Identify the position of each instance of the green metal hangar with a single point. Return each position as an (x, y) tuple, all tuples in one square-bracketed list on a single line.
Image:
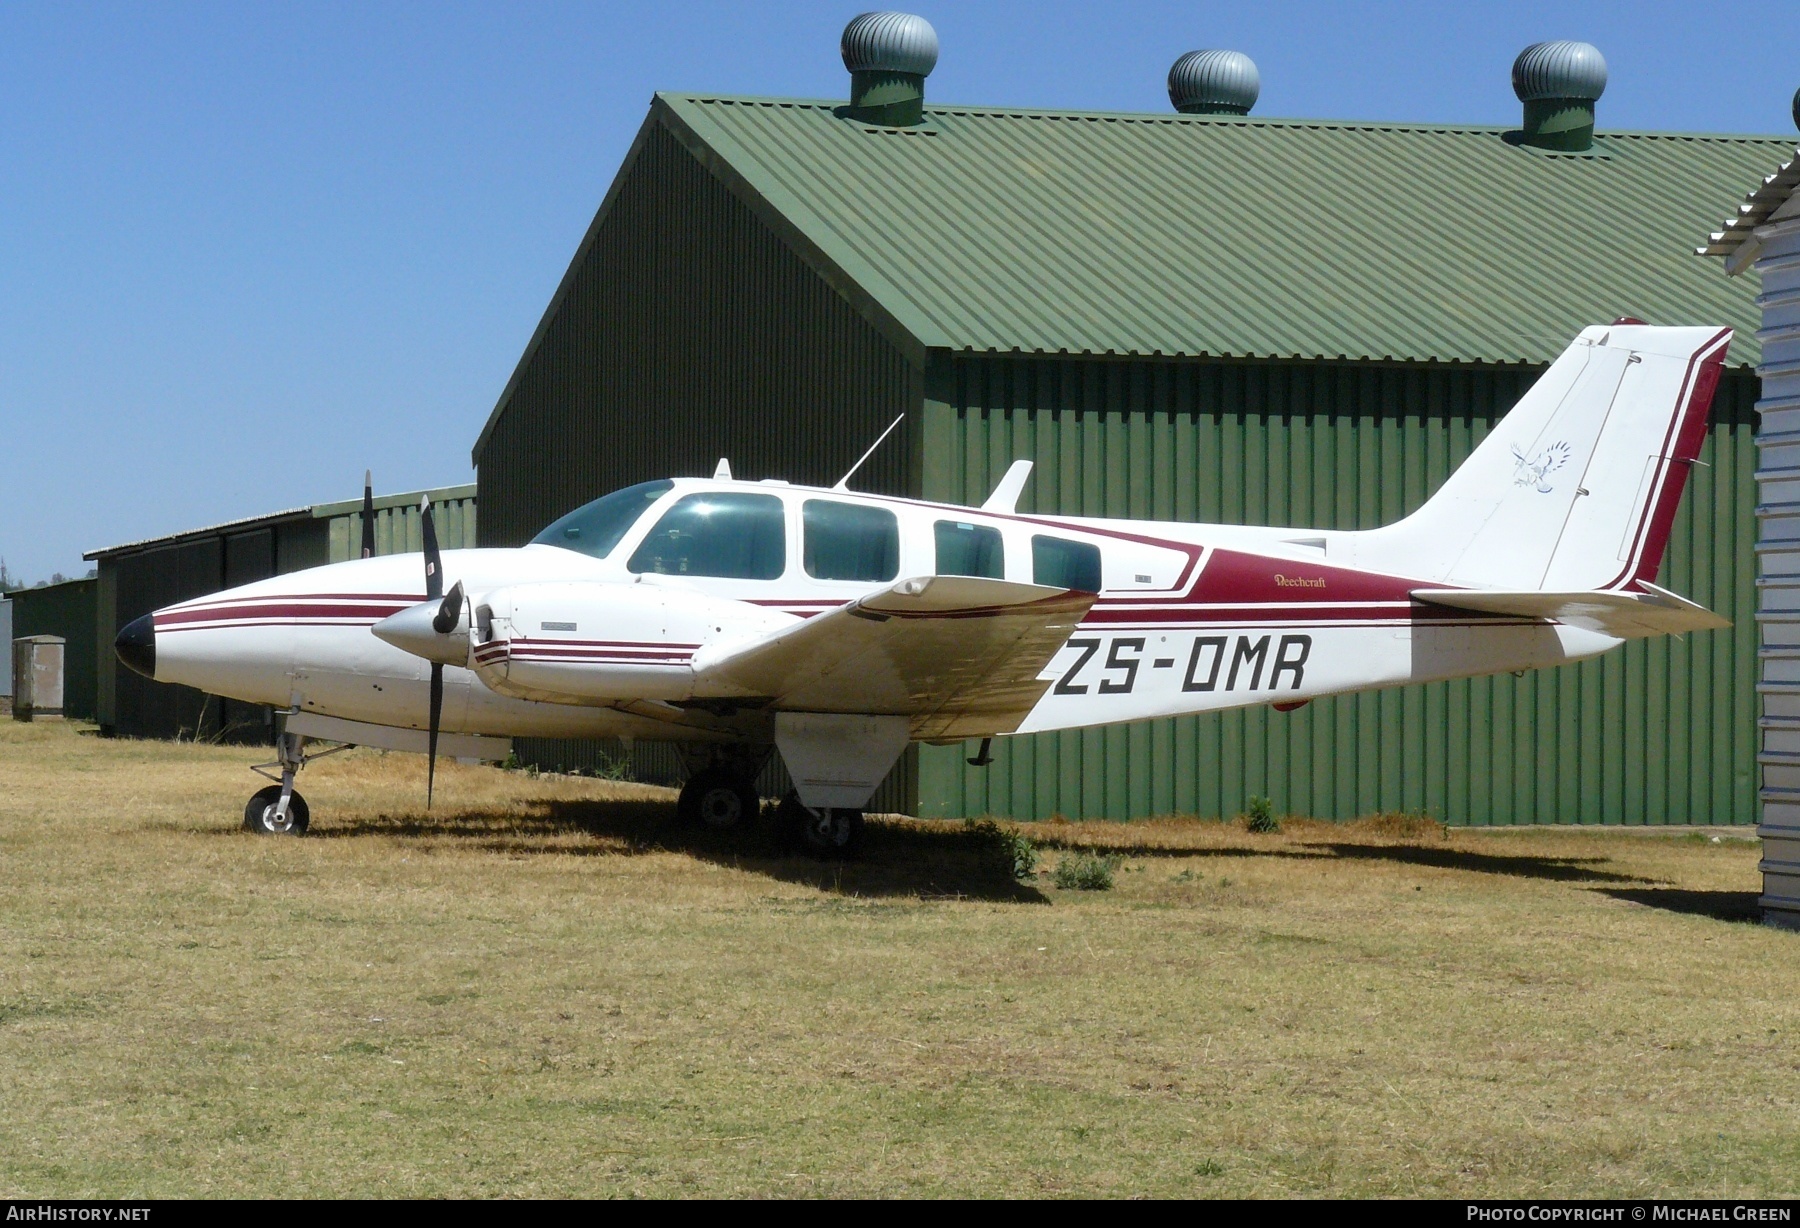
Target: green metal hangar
[(1198, 315)]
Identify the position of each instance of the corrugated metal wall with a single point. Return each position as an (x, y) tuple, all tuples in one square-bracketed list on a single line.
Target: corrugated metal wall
[(6, 638), (688, 332), (148, 579), (1778, 552), (397, 524), (67, 610), (1658, 732)]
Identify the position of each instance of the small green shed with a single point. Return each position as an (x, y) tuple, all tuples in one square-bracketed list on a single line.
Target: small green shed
[(68, 610)]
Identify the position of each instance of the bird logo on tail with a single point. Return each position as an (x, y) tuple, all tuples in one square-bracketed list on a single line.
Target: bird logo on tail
[(1535, 471)]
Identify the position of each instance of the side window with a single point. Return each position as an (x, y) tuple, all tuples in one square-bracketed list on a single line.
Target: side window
[(1065, 564), (969, 550), (728, 536), (848, 541)]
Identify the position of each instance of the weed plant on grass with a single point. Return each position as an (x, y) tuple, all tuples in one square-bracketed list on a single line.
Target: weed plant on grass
[(1086, 872), (1259, 817), (546, 987), (1011, 851)]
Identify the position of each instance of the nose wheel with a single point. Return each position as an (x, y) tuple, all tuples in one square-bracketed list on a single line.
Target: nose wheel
[(826, 832), (265, 815)]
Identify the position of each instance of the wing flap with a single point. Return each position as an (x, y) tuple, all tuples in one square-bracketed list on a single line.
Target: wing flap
[(1623, 615), (959, 655)]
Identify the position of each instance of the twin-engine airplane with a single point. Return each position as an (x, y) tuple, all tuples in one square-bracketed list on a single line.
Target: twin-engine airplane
[(739, 618)]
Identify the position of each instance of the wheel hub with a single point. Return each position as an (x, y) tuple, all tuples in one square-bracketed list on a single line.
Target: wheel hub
[(721, 808)]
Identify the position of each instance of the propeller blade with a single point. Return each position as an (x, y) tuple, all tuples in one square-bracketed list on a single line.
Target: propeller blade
[(434, 561), (368, 545), (450, 612), (431, 736), (452, 609)]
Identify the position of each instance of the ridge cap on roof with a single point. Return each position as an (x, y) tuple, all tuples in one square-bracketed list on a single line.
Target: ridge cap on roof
[(1175, 118)]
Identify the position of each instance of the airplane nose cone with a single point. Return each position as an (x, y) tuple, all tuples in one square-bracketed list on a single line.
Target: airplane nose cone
[(136, 646)]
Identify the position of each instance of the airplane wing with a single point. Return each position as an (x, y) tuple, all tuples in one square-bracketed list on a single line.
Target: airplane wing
[(957, 654), (1625, 616)]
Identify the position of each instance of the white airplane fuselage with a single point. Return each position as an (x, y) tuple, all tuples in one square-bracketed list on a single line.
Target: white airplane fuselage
[(765, 614), (1190, 618)]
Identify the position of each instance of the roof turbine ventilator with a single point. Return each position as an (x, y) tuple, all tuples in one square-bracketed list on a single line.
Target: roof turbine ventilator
[(889, 55), (1559, 83), (1214, 83)]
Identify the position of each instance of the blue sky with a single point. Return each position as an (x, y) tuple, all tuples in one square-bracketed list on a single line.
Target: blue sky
[(248, 250)]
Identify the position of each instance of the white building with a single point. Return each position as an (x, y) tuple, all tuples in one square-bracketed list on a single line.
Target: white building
[(1765, 237)]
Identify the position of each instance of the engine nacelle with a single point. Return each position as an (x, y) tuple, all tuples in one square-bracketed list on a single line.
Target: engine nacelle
[(596, 643)]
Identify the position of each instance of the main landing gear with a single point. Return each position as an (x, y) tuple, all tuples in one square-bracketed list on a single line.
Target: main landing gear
[(278, 809), (721, 795), (719, 798)]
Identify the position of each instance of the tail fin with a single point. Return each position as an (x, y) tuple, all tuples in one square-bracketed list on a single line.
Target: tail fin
[(1575, 489)]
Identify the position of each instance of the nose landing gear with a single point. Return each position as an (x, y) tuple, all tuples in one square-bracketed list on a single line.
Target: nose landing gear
[(278, 809)]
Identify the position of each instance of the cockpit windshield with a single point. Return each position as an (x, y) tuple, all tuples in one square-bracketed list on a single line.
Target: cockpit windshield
[(595, 528)]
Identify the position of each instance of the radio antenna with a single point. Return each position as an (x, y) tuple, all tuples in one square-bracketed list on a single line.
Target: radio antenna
[(844, 482)]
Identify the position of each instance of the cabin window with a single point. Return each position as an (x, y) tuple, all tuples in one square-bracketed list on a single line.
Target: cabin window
[(595, 528), (1065, 564), (850, 541), (969, 550), (726, 536)]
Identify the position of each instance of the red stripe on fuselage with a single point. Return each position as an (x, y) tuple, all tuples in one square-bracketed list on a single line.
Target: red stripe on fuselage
[(401, 599), (337, 607)]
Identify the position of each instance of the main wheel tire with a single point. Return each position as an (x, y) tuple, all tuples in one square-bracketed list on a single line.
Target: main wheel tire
[(259, 813), (834, 832), (718, 799)]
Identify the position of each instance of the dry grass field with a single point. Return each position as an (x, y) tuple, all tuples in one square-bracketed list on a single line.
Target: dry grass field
[(547, 988)]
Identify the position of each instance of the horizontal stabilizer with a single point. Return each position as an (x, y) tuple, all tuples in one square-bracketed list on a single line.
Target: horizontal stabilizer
[(1622, 615), (959, 655)]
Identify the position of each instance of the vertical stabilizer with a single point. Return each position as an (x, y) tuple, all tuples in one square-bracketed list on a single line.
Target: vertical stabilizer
[(1576, 488)]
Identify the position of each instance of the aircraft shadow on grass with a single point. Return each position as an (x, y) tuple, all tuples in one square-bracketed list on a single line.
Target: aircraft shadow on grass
[(895, 860), (911, 860), (1719, 905), (1552, 869)]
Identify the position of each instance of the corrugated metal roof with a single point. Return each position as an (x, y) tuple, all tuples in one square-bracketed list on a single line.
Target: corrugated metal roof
[(315, 511), (1729, 240), (246, 522), (1002, 229)]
